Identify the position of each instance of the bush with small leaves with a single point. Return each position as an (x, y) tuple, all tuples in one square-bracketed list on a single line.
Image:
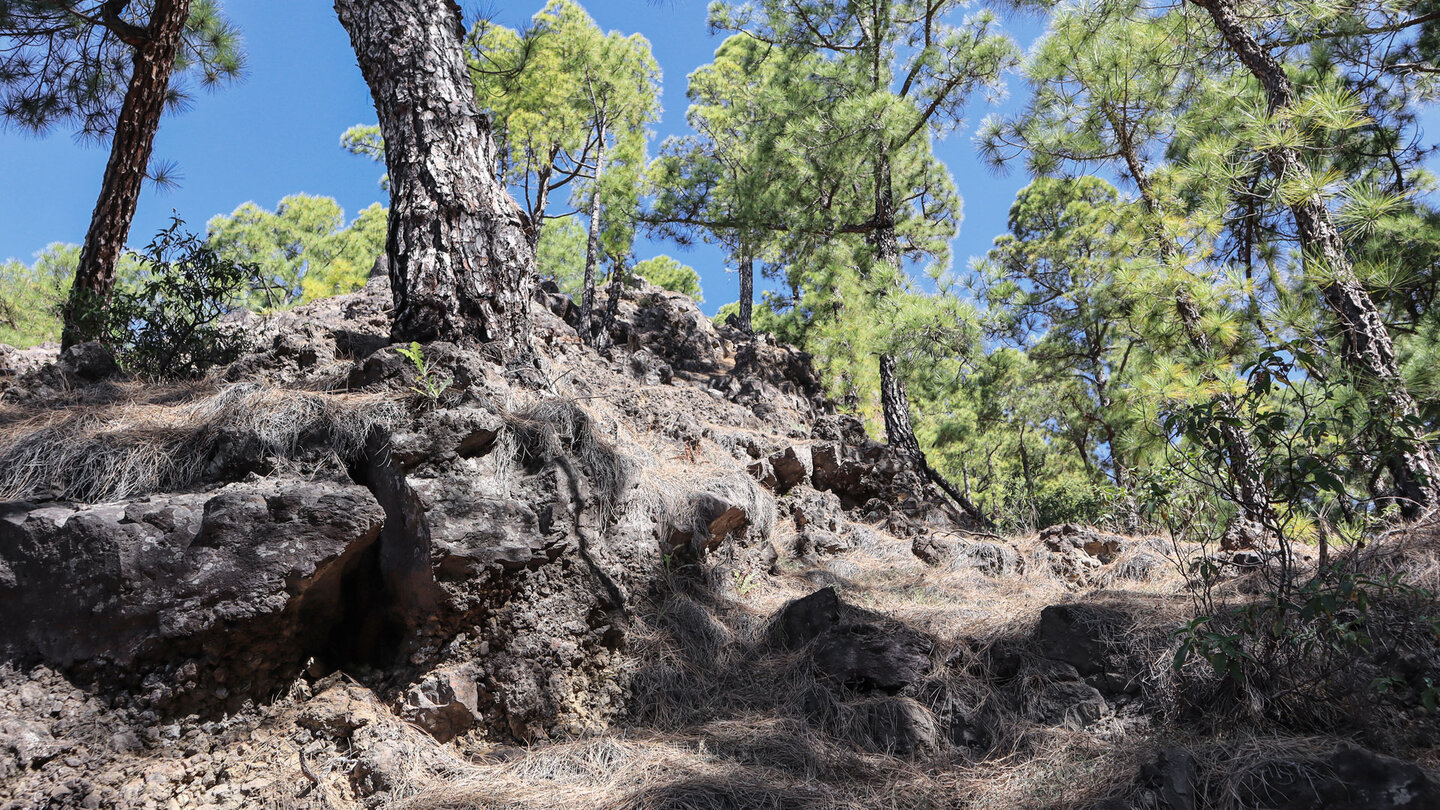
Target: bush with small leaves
[(166, 322)]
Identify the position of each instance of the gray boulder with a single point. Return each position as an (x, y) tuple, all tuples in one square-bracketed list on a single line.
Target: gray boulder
[(446, 703), (898, 726), (206, 598), (1349, 778)]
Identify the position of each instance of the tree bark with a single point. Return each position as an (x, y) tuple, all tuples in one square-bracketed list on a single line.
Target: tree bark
[(612, 306), (592, 246), (887, 244), (1106, 402), (536, 215), (899, 434), (460, 262), (1368, 350), (894, 401), (1025, 468), (130, 148)]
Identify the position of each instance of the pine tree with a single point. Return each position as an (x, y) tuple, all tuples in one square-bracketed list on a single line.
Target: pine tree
[(665, 272), (1104, 91), (570, 103), (107, 66), (1053, 289), (303, 249), (1367, 347), (460, 262), (727, 182), (561, 255), (893, 73)]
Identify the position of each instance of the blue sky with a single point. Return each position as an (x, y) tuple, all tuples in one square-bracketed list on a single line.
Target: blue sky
[(277, 132)]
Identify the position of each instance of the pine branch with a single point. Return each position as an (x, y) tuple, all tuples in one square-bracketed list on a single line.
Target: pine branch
[(1380, 29)]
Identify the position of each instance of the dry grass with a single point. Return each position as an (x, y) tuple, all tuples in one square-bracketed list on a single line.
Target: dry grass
[(106, 452), (622, 774), (723, 720), (726, 721), (954, 601), (1410, 551), (678, 500), (1058, 769), (559, 429)]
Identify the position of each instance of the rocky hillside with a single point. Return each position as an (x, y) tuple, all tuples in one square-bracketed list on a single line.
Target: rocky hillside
[(670, 576)]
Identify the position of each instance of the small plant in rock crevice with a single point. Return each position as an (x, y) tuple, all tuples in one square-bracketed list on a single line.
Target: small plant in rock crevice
[(744, 582), (430, 383)]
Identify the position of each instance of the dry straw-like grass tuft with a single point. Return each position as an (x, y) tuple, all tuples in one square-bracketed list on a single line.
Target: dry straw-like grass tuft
[(680, 503), (558, 428), (672, 772), (108, 452), (1410, 552)]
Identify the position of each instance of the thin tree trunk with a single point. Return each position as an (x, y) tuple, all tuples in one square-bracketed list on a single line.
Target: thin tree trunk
[(1368, 350), (1025, 468), (1118, 470), (895, 404), (460, 262), (1081, 442), (887, 243), (747, 288), (130, 148), (1105, 401), (894, 401), (536, 214), (612, 306), (899, 434), (592, 246)]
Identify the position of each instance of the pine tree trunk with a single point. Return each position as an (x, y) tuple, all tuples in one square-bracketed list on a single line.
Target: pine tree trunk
[(1106, 402), (592, 246), (1026, 470), (894, 401), (460, 262), (1368, 350), (1119, 471), (899, 434), (895, 404), (1241, 459), (612, 306), (887, 243), (747, 289), (130, 148), (536, 214)]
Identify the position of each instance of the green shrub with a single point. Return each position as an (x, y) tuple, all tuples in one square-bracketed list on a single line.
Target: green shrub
[(665, 272), (166, 321)]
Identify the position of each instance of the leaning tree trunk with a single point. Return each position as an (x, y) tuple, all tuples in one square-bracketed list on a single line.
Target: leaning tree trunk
[(1368, 350), (130, 147), (592, 246), (460, 263), (899, 434)]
